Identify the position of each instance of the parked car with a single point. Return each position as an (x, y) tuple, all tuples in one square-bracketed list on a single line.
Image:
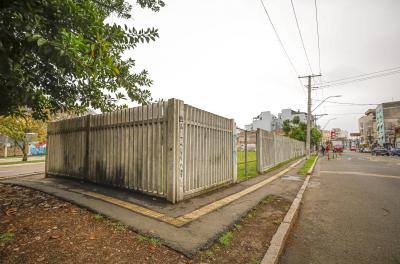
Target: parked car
[(365, 150), (394, 151), (353, 148), (379, 151)]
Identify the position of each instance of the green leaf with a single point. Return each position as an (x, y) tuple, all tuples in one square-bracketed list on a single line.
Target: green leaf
[(41, 42)]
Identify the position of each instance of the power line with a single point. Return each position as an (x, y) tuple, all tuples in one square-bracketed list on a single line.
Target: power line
[(343, 103), (319, 49), (361, 75), (358, 80), (301, 37), (282, 46)]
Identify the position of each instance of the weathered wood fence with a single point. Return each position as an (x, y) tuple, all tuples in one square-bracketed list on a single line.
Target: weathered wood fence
[(167, 149), (272, 149)]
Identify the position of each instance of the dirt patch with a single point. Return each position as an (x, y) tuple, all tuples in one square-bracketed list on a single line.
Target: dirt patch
[(39, 228), (248, 241)]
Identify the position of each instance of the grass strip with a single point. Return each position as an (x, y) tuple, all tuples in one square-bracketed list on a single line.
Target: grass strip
[(307, 165)]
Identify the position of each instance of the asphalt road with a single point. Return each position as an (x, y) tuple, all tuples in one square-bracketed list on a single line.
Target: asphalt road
[(15, 170), (350, 213)]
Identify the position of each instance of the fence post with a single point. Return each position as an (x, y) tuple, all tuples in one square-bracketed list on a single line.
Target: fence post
[(258, 150), (86, 170), (234, 151), (175, 123)]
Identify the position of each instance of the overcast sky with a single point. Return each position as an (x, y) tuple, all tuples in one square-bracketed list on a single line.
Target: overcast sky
[(223, 56)]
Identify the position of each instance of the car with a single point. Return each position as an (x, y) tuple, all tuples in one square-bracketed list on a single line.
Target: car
[(379, 151), (353, 148), (394, 151), (366, 150)]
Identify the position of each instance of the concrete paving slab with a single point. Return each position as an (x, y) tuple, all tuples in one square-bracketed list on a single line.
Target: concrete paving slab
[(189, 238)]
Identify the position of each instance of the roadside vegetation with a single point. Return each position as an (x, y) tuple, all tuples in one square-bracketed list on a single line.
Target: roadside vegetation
[(307, 165), (252, 165), (241, 166)]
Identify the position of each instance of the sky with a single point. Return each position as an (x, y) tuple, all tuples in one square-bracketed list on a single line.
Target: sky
[(223, 56)]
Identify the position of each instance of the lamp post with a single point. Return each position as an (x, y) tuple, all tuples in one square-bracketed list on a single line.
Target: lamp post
[(323, 101), (327, 122)]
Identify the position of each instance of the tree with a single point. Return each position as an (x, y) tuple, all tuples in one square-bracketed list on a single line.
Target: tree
[(17, 127), (62, 55), (298, 130)]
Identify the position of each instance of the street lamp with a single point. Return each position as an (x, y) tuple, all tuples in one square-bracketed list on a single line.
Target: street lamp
[(325, 100), (327, 122), (316, 117)]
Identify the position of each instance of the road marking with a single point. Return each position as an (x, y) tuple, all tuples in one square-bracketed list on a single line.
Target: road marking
[(362, 174), (189, 217)]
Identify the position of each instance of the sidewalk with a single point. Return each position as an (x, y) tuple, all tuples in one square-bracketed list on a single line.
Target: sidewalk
[(187, 226)]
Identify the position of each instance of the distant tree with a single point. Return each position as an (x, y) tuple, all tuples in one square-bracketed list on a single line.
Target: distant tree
[(298, 130), (62, 55), (296, 120), (286, 127), (17, 127)]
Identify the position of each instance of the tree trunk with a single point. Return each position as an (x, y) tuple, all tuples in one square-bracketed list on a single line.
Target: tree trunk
[(25, 150)]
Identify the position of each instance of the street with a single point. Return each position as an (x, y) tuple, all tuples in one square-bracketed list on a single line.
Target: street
[(350, 213), (7, 171)]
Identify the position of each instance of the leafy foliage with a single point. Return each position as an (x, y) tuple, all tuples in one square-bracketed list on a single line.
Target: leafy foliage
[(16, 127), (62, 55), (298, 130)]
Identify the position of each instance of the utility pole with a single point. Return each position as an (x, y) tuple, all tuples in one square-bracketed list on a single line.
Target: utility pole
[(308, 141)]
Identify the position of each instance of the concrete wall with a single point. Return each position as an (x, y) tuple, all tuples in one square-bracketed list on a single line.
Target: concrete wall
[(273, 149), (168, 149)]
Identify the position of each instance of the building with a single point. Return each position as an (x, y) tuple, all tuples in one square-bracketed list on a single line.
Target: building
[(289, 114), (387, 119), (269, 122), (367, 127), (265, 121)]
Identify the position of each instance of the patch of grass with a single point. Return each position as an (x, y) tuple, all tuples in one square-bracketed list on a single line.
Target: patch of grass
[(254, 261), (277, 221), (241, 166), (209, 254), (120, 226), (238, 226), (307, 165), (98, 217), (152, 240), (7, 236), (20, 162), (226, 238), (117, 225)]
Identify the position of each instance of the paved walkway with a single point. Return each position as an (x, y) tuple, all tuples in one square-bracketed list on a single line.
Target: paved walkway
[(18, 170), (350, 213), (186, 226)]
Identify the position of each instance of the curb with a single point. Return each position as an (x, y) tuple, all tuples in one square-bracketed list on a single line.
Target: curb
[(312, 167), (278, 240)]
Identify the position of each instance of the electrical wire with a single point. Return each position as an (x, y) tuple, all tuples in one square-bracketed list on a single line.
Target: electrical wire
[(357, 80), (359, 76), (282, 46), (301, 36), (319, 48), (343, 103)]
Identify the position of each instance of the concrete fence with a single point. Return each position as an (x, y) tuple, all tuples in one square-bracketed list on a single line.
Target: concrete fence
[(273, 149), (167, 149)]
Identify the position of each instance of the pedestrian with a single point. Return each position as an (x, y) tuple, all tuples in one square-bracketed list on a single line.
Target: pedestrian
[(323, 150)]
